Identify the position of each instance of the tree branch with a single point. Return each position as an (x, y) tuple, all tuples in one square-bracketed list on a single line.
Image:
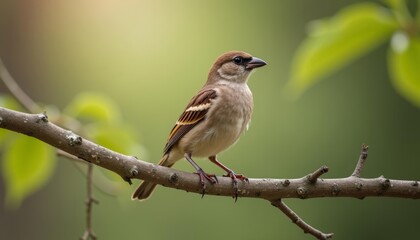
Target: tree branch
[(16, 91), (89, 202), (33, 107), (299, 222), (273, 190), (313, 177), (129, 167), (361, 163)]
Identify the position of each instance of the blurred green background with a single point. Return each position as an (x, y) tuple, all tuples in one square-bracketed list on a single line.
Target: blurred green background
[(150, 57)]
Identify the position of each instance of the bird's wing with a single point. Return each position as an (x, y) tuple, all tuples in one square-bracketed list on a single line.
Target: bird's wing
[(192, 115)]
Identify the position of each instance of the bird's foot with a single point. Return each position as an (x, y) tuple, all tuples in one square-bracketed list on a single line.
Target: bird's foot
[(203, 176), (235, 178)]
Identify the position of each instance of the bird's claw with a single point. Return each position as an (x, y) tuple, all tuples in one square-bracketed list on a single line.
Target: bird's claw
[(203, 176), (235, 178)]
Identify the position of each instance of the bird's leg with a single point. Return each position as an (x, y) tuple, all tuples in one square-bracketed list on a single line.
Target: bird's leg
[(231, 174), (203, 175)]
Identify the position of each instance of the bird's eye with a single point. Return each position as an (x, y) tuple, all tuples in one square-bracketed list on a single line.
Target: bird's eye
[(238, 60)]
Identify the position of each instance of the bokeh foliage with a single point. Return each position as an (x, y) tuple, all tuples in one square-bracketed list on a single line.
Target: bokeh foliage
[(334, 42), (28, 164)]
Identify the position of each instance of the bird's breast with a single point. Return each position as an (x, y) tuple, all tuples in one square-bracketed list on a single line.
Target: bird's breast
[(229, 117), (232, 109)]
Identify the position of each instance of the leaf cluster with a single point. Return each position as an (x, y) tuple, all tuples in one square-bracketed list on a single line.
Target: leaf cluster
[(335, 42), (28, 164)]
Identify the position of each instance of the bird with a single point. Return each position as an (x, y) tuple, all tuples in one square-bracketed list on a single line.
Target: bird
[(213, 120)]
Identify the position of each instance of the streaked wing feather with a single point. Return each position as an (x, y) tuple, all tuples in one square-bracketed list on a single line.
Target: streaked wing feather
[(192, 115)]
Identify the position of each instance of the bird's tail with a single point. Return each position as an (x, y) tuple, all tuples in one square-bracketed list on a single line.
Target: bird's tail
[(146, 188)]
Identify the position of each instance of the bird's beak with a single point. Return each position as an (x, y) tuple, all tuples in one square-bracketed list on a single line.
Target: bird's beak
[(255, 63)]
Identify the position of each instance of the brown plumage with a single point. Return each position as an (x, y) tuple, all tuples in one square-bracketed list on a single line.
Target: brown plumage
[(199, 105), (213, 119)]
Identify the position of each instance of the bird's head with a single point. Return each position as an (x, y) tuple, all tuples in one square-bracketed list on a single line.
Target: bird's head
[(234, 66)]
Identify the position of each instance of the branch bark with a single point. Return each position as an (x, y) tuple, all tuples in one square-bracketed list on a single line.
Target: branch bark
[(361, 163), (273, 190), (299, 222), (16, 91), (129, 167), (89, 234)]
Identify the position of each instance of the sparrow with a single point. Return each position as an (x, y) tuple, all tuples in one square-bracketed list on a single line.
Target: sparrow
[(213, 120)]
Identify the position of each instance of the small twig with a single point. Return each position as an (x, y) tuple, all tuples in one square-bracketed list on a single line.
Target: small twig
[(315, 175), (361, 161), (31, 106), (89, 202), (299, 222), (100, 182), (70, 157), (16, 91)]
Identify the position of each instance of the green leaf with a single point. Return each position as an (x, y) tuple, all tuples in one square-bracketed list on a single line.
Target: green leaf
[(93, 107), (404, 66), (400, 10), (418, 12), (9, 102), (337, 41), (4, 135), (396, 4), (118, 138), (27, 165)]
